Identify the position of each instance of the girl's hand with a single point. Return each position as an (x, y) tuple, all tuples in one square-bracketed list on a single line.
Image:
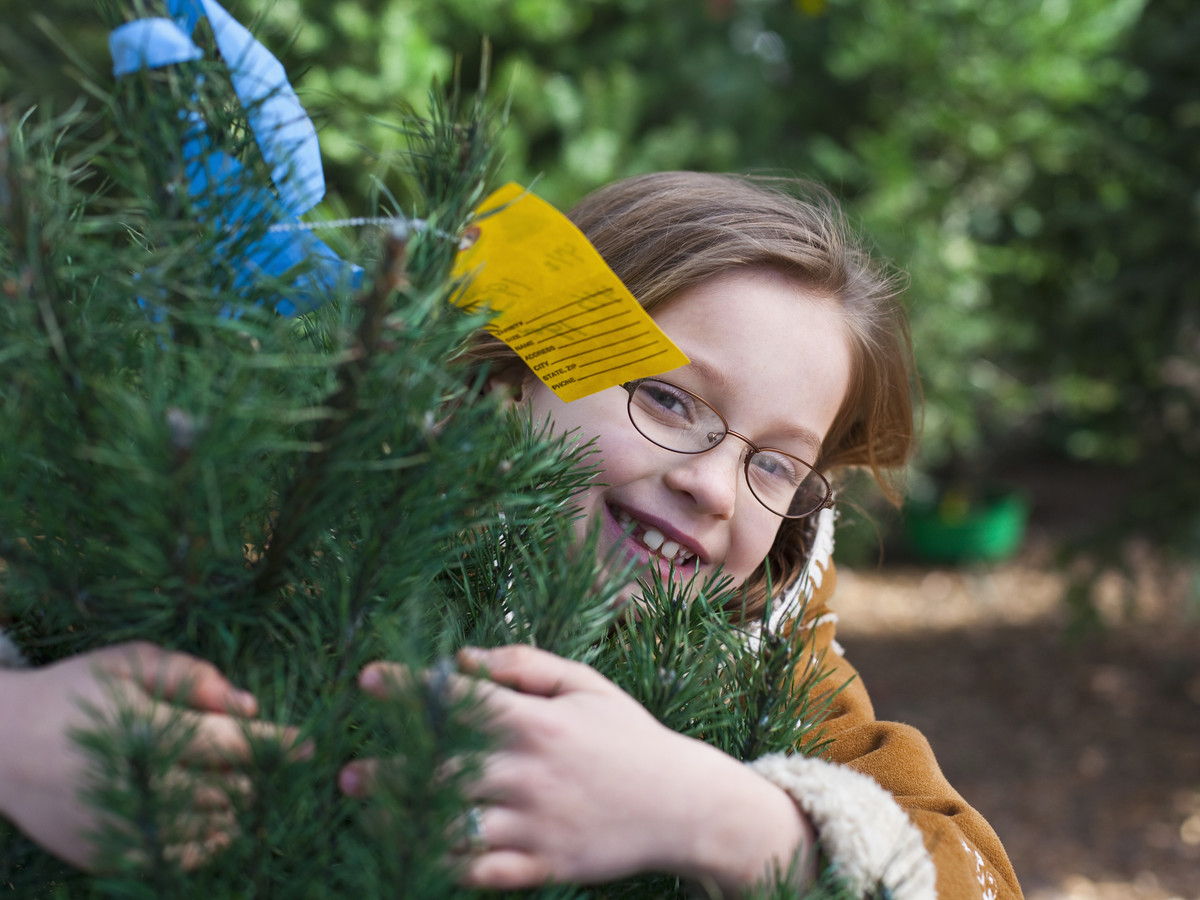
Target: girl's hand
[(42, 770), (587, 786)]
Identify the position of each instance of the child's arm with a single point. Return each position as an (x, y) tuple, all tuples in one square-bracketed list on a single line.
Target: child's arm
[(42, 770), (587, 786)]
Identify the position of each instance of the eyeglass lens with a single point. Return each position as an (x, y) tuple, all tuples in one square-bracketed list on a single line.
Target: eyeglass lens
[(678, 420)]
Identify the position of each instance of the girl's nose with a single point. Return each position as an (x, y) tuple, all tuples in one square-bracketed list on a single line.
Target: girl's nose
[(712, 479)]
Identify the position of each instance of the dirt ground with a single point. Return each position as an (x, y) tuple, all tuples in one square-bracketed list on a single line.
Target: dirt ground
[(1083, 754)]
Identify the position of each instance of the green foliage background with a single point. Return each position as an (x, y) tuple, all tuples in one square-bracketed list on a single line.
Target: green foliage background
[(1032, 164)]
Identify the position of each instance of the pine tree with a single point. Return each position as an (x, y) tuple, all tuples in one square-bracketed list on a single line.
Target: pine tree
[(293, 497)]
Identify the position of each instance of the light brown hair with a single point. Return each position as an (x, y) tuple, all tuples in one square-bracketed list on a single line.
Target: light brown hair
[(666, 232)]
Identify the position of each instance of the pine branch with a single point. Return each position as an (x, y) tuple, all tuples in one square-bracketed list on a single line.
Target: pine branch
[(417, 518), (42, 200), (29, 259), (32, 237), (293, 523)]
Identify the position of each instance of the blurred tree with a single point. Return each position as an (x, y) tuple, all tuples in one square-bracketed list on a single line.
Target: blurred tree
[(1031, 164), (1112, 277), (966, 109)]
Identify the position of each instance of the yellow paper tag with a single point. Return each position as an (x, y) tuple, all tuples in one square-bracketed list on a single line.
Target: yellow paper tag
[(559, 306)]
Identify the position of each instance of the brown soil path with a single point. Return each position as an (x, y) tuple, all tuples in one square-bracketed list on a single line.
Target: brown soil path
[(1085, 756)]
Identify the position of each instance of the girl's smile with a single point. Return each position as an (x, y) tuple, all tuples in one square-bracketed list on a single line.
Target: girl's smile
[(770, 355), (651, 539)]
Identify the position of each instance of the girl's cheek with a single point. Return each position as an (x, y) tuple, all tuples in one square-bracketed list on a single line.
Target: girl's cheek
[(755, 543)]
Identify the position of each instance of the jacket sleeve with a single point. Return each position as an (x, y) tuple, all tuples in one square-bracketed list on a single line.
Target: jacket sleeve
[(857, 826)]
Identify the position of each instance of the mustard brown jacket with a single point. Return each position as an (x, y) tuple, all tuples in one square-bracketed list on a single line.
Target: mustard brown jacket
[(885, 814)]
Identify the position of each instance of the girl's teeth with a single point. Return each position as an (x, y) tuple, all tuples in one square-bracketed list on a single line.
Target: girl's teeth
[(655, 541), (653, 538)]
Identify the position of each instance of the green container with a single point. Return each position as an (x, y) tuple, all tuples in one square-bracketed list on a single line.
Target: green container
[(953, 531)]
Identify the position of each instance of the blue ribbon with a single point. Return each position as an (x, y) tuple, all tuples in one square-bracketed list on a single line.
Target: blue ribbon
[(218, 183)]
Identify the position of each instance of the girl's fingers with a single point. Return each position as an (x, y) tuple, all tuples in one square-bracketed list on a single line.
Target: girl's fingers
[(219, 740), (209, 798), (179, 678), (358, 779), (520, 667), (491, 851), (208, 791), (530, 670), (191, 828), (385, 680), (497, 707), (503, 779), (505, 870), (193, 855), (232, 790), (190, 854)]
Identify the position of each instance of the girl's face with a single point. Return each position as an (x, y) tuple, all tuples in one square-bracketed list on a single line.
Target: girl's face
[(769, 355)]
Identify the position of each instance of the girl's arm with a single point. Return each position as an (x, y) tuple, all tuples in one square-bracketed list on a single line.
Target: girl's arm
[(882, 811), (42, 770), (587, 786)]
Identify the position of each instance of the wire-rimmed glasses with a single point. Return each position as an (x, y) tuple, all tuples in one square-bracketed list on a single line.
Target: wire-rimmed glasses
[(677, 420)]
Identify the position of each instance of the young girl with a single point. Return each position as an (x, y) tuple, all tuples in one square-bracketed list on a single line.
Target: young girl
[(800, 367)]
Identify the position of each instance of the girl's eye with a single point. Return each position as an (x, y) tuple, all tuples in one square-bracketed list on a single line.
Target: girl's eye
[(776, 468), (664, 400)]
